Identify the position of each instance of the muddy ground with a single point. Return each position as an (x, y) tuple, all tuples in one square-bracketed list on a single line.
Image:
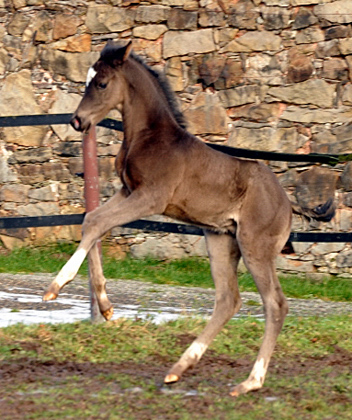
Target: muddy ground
[(214, 370)]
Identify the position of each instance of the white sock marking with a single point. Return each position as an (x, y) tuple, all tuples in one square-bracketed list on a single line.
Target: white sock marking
[(70, 269)]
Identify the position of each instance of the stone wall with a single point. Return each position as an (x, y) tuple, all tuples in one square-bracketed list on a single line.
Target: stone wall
[(262, 74)]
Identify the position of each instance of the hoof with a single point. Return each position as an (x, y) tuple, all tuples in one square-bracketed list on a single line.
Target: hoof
[(171, 378), (108, 313), (235, 393), (244, 387), (49, 296)]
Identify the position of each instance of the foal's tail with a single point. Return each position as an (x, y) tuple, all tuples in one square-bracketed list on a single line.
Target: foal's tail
[(322, 213)]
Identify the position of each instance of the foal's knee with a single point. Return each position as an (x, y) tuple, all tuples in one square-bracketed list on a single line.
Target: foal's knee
[(228, 305)]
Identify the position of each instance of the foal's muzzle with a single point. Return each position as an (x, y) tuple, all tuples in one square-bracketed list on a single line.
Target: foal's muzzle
[(76, 123)]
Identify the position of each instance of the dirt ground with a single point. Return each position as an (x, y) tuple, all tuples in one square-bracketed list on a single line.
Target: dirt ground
[(216, 371), (213, 369)]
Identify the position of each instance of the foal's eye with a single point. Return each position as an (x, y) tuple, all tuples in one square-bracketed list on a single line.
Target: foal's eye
[(102, 85)]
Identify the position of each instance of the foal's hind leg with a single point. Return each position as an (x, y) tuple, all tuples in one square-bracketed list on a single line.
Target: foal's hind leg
[(224, 256), (260, 261)]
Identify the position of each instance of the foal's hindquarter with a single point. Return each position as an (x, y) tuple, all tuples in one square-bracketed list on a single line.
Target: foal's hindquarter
[(165, 170)]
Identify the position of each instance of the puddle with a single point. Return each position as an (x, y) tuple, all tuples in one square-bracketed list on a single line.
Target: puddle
[(72, 310), (77, 310)]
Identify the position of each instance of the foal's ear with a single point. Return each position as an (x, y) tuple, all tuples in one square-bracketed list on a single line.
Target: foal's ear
[(123, 54)]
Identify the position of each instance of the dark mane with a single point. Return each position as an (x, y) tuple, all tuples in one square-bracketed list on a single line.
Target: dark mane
[(110, 54), (166, 88)]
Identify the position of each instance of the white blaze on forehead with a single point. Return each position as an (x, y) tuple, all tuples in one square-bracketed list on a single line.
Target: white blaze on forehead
[(90, 75)]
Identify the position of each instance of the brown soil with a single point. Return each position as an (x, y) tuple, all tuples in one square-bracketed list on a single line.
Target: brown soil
[(213, 370), (216, 371)]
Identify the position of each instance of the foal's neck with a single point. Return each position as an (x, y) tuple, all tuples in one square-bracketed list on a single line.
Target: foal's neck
[(146, 108)]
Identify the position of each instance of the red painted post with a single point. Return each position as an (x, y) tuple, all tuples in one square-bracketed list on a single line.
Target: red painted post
[(91, 196)]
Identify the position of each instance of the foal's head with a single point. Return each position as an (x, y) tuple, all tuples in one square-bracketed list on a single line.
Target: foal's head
[(105, 87)]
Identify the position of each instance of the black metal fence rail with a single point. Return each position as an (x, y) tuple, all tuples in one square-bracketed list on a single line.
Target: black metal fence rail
[(153, 226), (55, 119)]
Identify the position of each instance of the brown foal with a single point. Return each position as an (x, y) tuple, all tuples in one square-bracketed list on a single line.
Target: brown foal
[(165, 170)]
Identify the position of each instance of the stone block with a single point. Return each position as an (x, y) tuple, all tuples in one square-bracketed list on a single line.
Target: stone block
[(336, 32), (65, 25), (174, 72), (16, 193), (303, 19), (300, 67), (345, 46), (17, 98), (48, 193), (346, 177), (323, 248), (275, 18), (344, 259), (264, 69), (210, 69), (206, 115), (6, 172), (103, 18), (39, 209), (183, 43), (55, 171), (315, 186), (11, 243), (18, 24), (290, 265), (151, 32), (327, 49), (254, 41), (262, 112), (315, 92), (210, 18), (149, 49), (71, 65), (77, 43), (243, 15), (30, 174), (347, 199), (253, 138), (240, 95), (34, 155), (182, 20), (152, 14), (319, 116), (310, 35), (336, 12), (335, 69), (231, 75), (347, 94), (43, 27), (68, 148), (75, 165)]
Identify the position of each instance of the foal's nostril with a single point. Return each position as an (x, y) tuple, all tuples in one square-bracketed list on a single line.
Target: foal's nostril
[(76, 123)]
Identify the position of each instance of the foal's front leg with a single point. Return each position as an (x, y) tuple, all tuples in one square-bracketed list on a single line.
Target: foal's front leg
[(115, 212)]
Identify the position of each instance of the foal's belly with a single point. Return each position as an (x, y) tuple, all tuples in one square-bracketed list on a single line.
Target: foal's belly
[(201, 219)]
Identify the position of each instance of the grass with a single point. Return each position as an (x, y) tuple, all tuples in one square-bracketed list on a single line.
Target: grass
[(115, 370), (184, 272)]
